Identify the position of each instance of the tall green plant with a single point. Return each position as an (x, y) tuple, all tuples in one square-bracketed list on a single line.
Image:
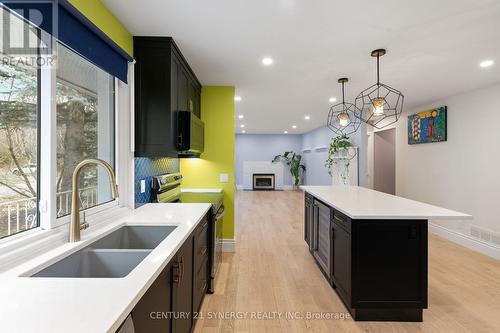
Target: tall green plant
[(293, 160)]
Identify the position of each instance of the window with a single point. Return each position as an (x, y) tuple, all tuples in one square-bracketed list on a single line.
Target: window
[(19, 83), (85, 129), (85, 122)]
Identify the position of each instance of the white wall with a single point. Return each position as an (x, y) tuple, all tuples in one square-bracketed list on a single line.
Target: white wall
[(384, 161), (263, 147), (462, 173)]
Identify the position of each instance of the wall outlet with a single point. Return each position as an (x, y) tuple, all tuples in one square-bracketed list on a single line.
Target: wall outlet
[(143, 186), (224, 178)]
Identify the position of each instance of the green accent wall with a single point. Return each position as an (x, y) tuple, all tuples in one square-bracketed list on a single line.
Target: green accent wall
[(104, 19), (217, 112)]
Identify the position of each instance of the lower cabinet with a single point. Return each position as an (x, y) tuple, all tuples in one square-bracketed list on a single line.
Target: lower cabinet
[(341, 259), (173, 298), (151, 314), (182, 291)]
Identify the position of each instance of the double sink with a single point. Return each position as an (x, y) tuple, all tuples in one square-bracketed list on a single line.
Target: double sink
[(112, 256)]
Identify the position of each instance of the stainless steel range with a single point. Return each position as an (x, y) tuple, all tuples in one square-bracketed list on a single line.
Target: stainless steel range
[(167, 189)]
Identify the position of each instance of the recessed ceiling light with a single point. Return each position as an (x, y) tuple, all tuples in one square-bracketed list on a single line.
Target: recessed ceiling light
[(307, 117), (486, 63), (243, 131), (241, 116), (242, 126), (286, 132), (267, 61), (237, 98), (294, 126), (332, 100)]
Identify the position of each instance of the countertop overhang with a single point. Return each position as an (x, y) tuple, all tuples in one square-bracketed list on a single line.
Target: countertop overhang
[(86, 305), (365, 204)]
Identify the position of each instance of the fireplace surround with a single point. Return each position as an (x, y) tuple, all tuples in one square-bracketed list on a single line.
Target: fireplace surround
[(264, 182)]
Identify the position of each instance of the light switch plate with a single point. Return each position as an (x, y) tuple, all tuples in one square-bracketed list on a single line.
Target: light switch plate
[(143, 185), (224, 177)]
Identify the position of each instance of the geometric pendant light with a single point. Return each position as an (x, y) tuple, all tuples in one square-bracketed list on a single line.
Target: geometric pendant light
[(344, 118), (380, 104)]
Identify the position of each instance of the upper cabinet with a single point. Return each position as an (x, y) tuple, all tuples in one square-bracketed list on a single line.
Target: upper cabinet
[(164, 84)]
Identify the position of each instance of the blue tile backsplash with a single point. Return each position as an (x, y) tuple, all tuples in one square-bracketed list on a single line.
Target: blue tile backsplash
[(147, 168)]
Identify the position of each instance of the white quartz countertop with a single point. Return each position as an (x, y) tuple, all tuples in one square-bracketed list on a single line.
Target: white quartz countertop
[(91, 305), (362, 203)]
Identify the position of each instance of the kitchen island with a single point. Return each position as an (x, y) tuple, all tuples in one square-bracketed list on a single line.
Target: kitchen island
[(372, 248)]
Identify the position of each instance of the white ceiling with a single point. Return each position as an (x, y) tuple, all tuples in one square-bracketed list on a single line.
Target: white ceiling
[(434, 48)]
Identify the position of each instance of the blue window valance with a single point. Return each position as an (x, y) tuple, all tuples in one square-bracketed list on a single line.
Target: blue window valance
[(75, 31)]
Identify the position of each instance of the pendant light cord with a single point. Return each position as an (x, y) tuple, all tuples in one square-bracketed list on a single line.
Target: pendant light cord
[(378, 75), (343, 95), (378, 70)]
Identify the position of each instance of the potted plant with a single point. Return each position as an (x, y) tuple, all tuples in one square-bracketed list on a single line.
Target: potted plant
[(339, 151), (293, 160)]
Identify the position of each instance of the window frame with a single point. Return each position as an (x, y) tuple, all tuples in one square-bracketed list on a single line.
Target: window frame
[(50, 219), (38, 71), (46, 203)]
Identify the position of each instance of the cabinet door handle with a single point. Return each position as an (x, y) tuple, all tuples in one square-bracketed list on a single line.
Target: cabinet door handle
[(341, 220), (176, 273), (203, 286)]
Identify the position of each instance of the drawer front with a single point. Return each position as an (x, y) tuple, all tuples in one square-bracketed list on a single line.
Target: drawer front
[(201, 249), (342, 220), (200, 285)]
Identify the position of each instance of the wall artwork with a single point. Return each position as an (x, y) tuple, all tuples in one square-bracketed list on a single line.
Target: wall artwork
[(427, 126)]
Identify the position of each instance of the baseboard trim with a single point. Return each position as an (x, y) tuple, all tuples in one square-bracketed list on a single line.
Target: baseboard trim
[(228, 245), (285, 188), (465, 240)]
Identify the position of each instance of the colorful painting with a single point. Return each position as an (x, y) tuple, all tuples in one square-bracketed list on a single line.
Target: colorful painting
[(427, 126)]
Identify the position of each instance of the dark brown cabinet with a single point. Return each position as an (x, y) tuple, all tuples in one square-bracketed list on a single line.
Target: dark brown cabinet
[(151, 314), (176, 295), (201, 264), (164, 84), (341, 259), (182, 292)]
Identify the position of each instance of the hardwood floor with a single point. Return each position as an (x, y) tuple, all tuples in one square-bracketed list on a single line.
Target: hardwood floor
[(272, 271)]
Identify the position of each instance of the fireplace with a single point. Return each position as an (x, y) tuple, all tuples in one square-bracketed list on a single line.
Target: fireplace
[(263, 181)]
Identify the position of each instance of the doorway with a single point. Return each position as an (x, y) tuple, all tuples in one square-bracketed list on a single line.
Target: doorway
[(384, 161)]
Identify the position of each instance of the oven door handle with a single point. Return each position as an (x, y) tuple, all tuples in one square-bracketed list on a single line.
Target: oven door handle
[(220, 213), (219, 216)]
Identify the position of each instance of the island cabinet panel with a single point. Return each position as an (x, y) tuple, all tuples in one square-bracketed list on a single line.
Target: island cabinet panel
[(390, 264), (341, 261), (378, 267)]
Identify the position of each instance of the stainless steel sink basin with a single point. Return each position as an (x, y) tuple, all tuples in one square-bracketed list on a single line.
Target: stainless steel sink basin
[(112, 256), (134, 237), (90, 263)]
